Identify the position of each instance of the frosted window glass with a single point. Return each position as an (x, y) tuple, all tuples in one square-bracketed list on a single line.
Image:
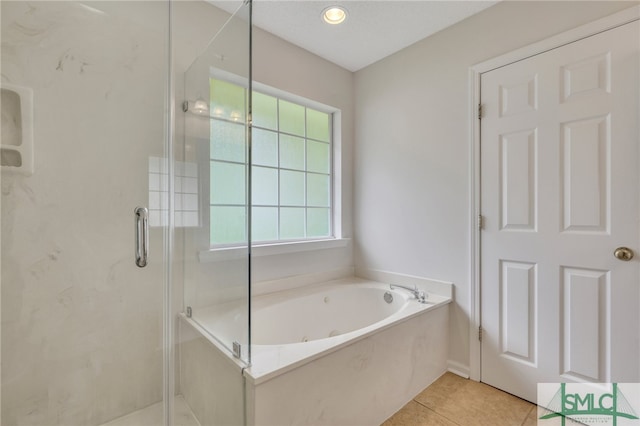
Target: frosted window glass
[(317, 157), (317, 190), (291, 223), (291, 188), (265, 111), (227, 183), (291, 118), (190, 185), (264, 147), (318, 223), (228, 225), (265, 186), (291, 152), (264, 226), (227, 100), (317, 125), (154, 181), (291, 169), (227, 141)]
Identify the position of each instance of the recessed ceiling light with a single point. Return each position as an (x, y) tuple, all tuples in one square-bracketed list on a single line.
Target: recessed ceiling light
[(334, 15)]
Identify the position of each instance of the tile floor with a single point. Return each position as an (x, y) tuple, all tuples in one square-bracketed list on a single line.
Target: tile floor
[(454, 401)]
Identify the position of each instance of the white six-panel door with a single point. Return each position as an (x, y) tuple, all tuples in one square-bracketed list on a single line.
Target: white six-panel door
[(559, 193)]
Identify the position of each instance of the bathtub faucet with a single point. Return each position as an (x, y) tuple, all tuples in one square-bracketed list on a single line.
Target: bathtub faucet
[(420, 295)]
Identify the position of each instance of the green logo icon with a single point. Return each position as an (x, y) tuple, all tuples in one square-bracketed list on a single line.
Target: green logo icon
[(589, 407)]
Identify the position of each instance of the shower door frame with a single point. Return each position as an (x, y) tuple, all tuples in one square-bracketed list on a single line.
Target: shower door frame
[(168, 322)]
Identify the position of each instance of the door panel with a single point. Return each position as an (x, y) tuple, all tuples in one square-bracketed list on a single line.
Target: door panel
[(518, 287), (518, 180), (559, 193), (584, 168), (585, 333)]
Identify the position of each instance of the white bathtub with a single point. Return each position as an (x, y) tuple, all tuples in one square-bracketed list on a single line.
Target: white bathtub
[(339, 343), (322, 312)]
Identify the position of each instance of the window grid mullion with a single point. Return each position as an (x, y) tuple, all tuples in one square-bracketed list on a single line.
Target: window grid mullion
[(226, 205), (214, 160), (331, 174), (287, 133), (306, 184), (279, 208)]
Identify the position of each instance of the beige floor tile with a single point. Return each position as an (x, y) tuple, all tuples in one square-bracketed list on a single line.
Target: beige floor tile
[(477, 404), (414, 414), (441, 390), (532, 418)]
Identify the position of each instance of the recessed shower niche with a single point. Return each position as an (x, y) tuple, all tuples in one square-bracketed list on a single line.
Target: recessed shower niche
[(16, 143)]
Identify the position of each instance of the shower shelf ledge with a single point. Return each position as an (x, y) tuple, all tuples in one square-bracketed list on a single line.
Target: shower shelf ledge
[(16, 142)]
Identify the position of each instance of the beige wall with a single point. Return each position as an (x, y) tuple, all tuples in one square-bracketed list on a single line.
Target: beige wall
[(411, 170)]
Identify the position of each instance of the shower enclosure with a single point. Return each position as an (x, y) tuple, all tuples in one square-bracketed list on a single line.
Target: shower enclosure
[(216, 115), (93, 129)]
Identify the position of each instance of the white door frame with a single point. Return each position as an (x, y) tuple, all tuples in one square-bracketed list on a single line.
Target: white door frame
[(617, 19)]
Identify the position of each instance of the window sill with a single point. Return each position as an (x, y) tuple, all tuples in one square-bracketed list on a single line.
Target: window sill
[(230, 253)]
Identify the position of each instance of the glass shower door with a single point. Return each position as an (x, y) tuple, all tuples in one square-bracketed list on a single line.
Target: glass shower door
[(85, 140)]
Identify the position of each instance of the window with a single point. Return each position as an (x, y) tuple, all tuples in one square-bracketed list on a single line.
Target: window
[(291, 168), (185, 193)]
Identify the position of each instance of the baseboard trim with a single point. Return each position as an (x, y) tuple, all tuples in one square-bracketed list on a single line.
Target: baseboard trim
[(458, 368)]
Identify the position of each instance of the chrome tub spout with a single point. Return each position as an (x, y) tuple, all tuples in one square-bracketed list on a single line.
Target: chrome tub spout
[(420, 295)]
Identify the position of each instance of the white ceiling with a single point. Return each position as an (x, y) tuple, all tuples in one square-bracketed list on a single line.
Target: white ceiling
[(373, 29)]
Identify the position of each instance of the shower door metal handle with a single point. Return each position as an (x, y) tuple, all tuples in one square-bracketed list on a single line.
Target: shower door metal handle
[(142, 235)]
